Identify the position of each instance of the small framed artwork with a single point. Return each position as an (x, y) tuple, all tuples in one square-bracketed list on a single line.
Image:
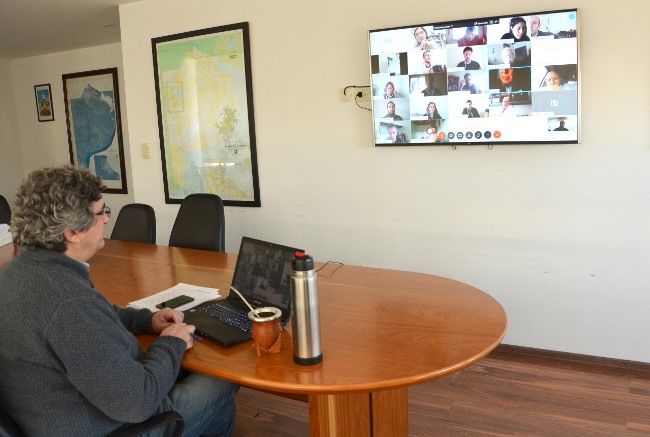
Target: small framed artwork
[(43, 95), (92, 110)]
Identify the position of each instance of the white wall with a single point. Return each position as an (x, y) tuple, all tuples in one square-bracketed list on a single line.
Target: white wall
[(560, 235), (11, 167), (46, 143)]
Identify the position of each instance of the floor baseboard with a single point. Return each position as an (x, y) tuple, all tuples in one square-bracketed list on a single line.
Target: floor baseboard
[(570, 359)]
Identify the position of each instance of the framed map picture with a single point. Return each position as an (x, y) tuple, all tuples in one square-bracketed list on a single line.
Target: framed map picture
[(92, 109), (43, 95), (205, 114)]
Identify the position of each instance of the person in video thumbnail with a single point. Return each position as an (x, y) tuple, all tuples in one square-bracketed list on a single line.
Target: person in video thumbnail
[(517, 30), (534, 28), (511, 79), (422, 39), (391, 112), (561, 127), (508, 55), (471, 111), (505, 109), (432, 134), (389, 91), (430, 90), (395, 137), (427, 67), (468, 85), (471, 38), (468, 63), (432, 112), (553, 81)]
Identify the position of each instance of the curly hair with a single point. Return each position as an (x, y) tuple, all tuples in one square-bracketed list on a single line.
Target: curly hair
[(51, 200)]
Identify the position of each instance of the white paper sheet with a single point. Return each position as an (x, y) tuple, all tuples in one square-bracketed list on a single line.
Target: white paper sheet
[(200, 295)]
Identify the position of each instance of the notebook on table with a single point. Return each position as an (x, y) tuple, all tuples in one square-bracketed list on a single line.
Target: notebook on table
[(262, 275)]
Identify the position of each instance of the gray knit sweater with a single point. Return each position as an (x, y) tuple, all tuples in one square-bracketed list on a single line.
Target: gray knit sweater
[(69, 364)]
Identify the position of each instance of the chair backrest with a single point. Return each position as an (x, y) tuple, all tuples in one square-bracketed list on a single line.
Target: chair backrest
[(200, 223), (5, 210), (8, 427), (135, 222)]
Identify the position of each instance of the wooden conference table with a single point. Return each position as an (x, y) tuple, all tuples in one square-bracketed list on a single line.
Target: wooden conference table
[(382, 331)]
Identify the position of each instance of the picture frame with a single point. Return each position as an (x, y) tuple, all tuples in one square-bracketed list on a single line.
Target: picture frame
[(94, 123), (206, 122), (44, 107)]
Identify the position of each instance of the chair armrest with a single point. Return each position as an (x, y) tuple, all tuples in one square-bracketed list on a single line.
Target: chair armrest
[(164, 419)]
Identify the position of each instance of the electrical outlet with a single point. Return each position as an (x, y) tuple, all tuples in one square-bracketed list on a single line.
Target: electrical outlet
[(146, 151), (364, 95)]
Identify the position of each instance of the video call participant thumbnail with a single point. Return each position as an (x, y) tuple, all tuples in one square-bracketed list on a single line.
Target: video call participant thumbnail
[(434, 84), (470, 111), (468, 63), (515, 56), (471, 38), (510, 79), (389, 91), (535, 31), (428, 66), (390, 107), (467, 85), (506, 108), (561, 126), (518, 29), (432, 112), (422, 39), (392, 133), (432, 134)]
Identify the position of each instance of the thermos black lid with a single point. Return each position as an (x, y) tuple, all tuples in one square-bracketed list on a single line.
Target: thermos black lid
[(302, 262)]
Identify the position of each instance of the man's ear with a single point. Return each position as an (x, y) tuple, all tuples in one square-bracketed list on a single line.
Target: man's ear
[(71, 236)]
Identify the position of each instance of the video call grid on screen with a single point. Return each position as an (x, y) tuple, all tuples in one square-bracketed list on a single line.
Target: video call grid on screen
[(508, 79)]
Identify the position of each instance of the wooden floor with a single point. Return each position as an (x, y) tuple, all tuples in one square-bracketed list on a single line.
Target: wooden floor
[(512, 392)]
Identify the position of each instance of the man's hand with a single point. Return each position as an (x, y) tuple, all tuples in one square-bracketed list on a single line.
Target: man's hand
[(165, 318), (182, 331)]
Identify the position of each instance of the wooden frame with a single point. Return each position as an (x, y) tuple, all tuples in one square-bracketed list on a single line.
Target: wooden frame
[(44, 107), (93, 117), (204, 97)]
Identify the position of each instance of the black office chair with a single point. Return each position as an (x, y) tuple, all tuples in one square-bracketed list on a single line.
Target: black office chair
[(5, 212), (200, 223), (8, 427), (135, 222), (161, 420)]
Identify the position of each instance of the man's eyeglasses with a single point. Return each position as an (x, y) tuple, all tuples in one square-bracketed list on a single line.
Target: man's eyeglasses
[(105, 210)]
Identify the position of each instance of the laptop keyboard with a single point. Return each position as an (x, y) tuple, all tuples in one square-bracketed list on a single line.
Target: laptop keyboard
[(233, 316)]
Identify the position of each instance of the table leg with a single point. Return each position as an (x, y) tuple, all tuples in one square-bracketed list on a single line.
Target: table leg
[(378, 414)]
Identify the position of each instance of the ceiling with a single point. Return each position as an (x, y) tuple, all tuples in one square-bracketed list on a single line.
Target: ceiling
[(37, 27)]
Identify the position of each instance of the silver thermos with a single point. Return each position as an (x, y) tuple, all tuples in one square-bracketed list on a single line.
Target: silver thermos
[(304, 311)]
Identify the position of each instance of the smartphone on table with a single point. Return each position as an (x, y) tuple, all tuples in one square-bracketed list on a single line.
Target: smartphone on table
[(175, 302)]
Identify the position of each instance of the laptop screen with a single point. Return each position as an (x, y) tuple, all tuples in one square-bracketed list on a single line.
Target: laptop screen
[(262, 274)]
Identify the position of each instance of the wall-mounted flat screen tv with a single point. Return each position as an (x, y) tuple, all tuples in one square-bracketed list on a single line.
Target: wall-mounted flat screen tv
[(496, 80)]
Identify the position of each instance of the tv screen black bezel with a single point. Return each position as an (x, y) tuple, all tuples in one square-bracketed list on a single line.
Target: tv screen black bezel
[(465, 23)]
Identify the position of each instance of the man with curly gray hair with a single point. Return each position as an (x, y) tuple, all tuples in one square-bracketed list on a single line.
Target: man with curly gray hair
[(69, 361)]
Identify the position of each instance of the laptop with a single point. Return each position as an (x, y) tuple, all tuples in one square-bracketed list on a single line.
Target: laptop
[(262, 276)]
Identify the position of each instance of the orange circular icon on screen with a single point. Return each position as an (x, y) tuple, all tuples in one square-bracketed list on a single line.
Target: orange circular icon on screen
[(497, 134), (442, 136)]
